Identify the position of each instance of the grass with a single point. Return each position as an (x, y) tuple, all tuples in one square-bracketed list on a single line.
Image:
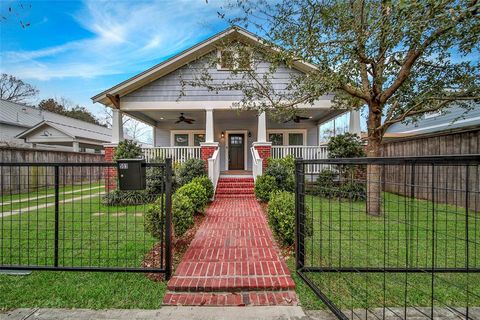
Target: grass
[(345, 236), (91, 234)]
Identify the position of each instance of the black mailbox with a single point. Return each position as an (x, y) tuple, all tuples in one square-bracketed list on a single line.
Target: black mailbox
[(131, 174)]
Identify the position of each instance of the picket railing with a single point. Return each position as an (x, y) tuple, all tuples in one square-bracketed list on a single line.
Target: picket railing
[(178, 154), (304, 152)]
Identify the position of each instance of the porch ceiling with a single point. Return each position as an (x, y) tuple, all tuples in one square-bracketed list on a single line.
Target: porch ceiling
[(170, 116)]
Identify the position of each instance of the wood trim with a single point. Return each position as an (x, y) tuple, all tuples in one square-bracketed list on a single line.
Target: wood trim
[(245, 146), (114, 99), (190, 136)]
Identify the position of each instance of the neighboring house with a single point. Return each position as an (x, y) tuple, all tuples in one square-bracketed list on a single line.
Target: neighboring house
[(22, 125), (231, 139), (449, 132)]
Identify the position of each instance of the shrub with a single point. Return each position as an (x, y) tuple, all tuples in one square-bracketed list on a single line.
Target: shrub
[(128, 149), (155, 218), (264, 185), (154, 177), (128, 197), (207, 184), (189, 170), (325, 185), (196, 193), (345, 145), (283, 170), (352, 190), (281, 217), (182, 213)]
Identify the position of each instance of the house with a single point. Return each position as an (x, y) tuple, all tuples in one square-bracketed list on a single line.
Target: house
[(192, 121), (447, 132), (21, 125)]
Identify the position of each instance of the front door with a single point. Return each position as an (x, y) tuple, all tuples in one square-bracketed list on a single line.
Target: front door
[(236, 156)]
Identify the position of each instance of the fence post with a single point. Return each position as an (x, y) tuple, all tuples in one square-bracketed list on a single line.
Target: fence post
[(299, 214), (57, 183), (168, 218)]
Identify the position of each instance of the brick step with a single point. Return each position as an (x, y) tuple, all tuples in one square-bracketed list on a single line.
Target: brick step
[(234, 191), (231, 195), (235, 185), (230, 284), (257, 298), (233, 180)]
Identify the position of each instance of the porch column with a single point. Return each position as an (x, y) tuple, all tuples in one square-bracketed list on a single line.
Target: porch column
[(209, 125), (209, 146), (263, 147), (117, 126), (354, 125), (262, 127)]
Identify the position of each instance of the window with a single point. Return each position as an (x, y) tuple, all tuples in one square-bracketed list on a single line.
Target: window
[(295, 139), (276, 139), (230, 59), (287, 137), (186, 138), (198, 138), (181, 140), (334, 127)]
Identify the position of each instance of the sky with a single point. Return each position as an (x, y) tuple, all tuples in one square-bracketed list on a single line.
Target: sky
[(76, 49)]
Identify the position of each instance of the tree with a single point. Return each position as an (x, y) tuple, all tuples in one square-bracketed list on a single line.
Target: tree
[(62, 106), (400, 59), (15, 90)]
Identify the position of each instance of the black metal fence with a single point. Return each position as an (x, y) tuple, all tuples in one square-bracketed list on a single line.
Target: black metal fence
[(70, 216), (391, 238)]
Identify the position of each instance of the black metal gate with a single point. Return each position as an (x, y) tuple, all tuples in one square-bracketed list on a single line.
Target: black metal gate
[(70, 216), (391, 238)]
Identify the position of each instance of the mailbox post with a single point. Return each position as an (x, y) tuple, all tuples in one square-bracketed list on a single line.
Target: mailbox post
[(131, 174)]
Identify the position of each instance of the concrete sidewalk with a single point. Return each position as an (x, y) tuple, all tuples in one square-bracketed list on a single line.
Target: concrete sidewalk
[(170, 313)]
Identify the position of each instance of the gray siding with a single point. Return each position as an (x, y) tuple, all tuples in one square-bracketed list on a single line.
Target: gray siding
[(8, 132), (168, 87)]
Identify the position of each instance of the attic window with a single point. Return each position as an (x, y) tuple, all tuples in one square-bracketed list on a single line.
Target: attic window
[(234, 60)]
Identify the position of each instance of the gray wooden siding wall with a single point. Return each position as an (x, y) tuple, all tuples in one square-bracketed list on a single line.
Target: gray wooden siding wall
[(15, 179), (450, 182), (168, 87)]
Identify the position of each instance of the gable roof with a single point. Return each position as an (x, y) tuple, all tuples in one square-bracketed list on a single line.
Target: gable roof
[(186, 57), (454, 118), (68, 130)]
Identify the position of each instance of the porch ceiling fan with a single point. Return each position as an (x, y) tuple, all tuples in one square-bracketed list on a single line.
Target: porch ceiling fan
[(182, 118), (297, 119)]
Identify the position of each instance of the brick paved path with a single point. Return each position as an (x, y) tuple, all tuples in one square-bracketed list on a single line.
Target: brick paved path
[(233, 259)]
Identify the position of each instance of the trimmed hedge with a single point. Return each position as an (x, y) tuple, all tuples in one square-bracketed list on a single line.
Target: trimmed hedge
[(281, 217), (196, 193), (283, 170), (207, 184), (155, 218), (190, 169), (182, 213), (264, 185)]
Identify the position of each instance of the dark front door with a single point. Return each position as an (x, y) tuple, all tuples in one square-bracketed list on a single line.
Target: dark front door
[(236, 151)]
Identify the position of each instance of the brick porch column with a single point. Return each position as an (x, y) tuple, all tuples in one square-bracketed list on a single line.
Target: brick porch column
[(264, 151), (110, 173), (207, 149)]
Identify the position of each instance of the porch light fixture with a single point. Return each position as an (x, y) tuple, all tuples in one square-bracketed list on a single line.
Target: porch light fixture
[(249, 134), (223, 134)]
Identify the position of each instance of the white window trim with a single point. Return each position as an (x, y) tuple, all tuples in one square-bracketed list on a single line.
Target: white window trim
[(190, 136), (245, 147), (285, 133), (235, 61)]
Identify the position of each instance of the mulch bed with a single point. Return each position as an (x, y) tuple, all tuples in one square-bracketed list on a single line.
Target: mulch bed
[(179, 245)]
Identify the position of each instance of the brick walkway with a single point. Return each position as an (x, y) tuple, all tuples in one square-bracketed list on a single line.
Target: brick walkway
[(233, 259)]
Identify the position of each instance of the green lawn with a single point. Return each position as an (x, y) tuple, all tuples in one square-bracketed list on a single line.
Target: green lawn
[(345, 236), (90, 235)]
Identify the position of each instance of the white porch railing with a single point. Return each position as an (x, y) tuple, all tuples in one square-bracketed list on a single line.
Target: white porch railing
[(214, 168), (257, 163), (304, 152), (178, 154)]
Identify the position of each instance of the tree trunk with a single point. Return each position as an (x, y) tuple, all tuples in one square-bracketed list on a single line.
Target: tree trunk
[(374, 171)]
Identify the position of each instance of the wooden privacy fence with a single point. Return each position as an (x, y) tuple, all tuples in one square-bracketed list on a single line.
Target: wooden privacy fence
[(22, 178), (446, 178)]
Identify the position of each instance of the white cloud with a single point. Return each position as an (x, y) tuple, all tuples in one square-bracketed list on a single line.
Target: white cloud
[(127, 36)]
